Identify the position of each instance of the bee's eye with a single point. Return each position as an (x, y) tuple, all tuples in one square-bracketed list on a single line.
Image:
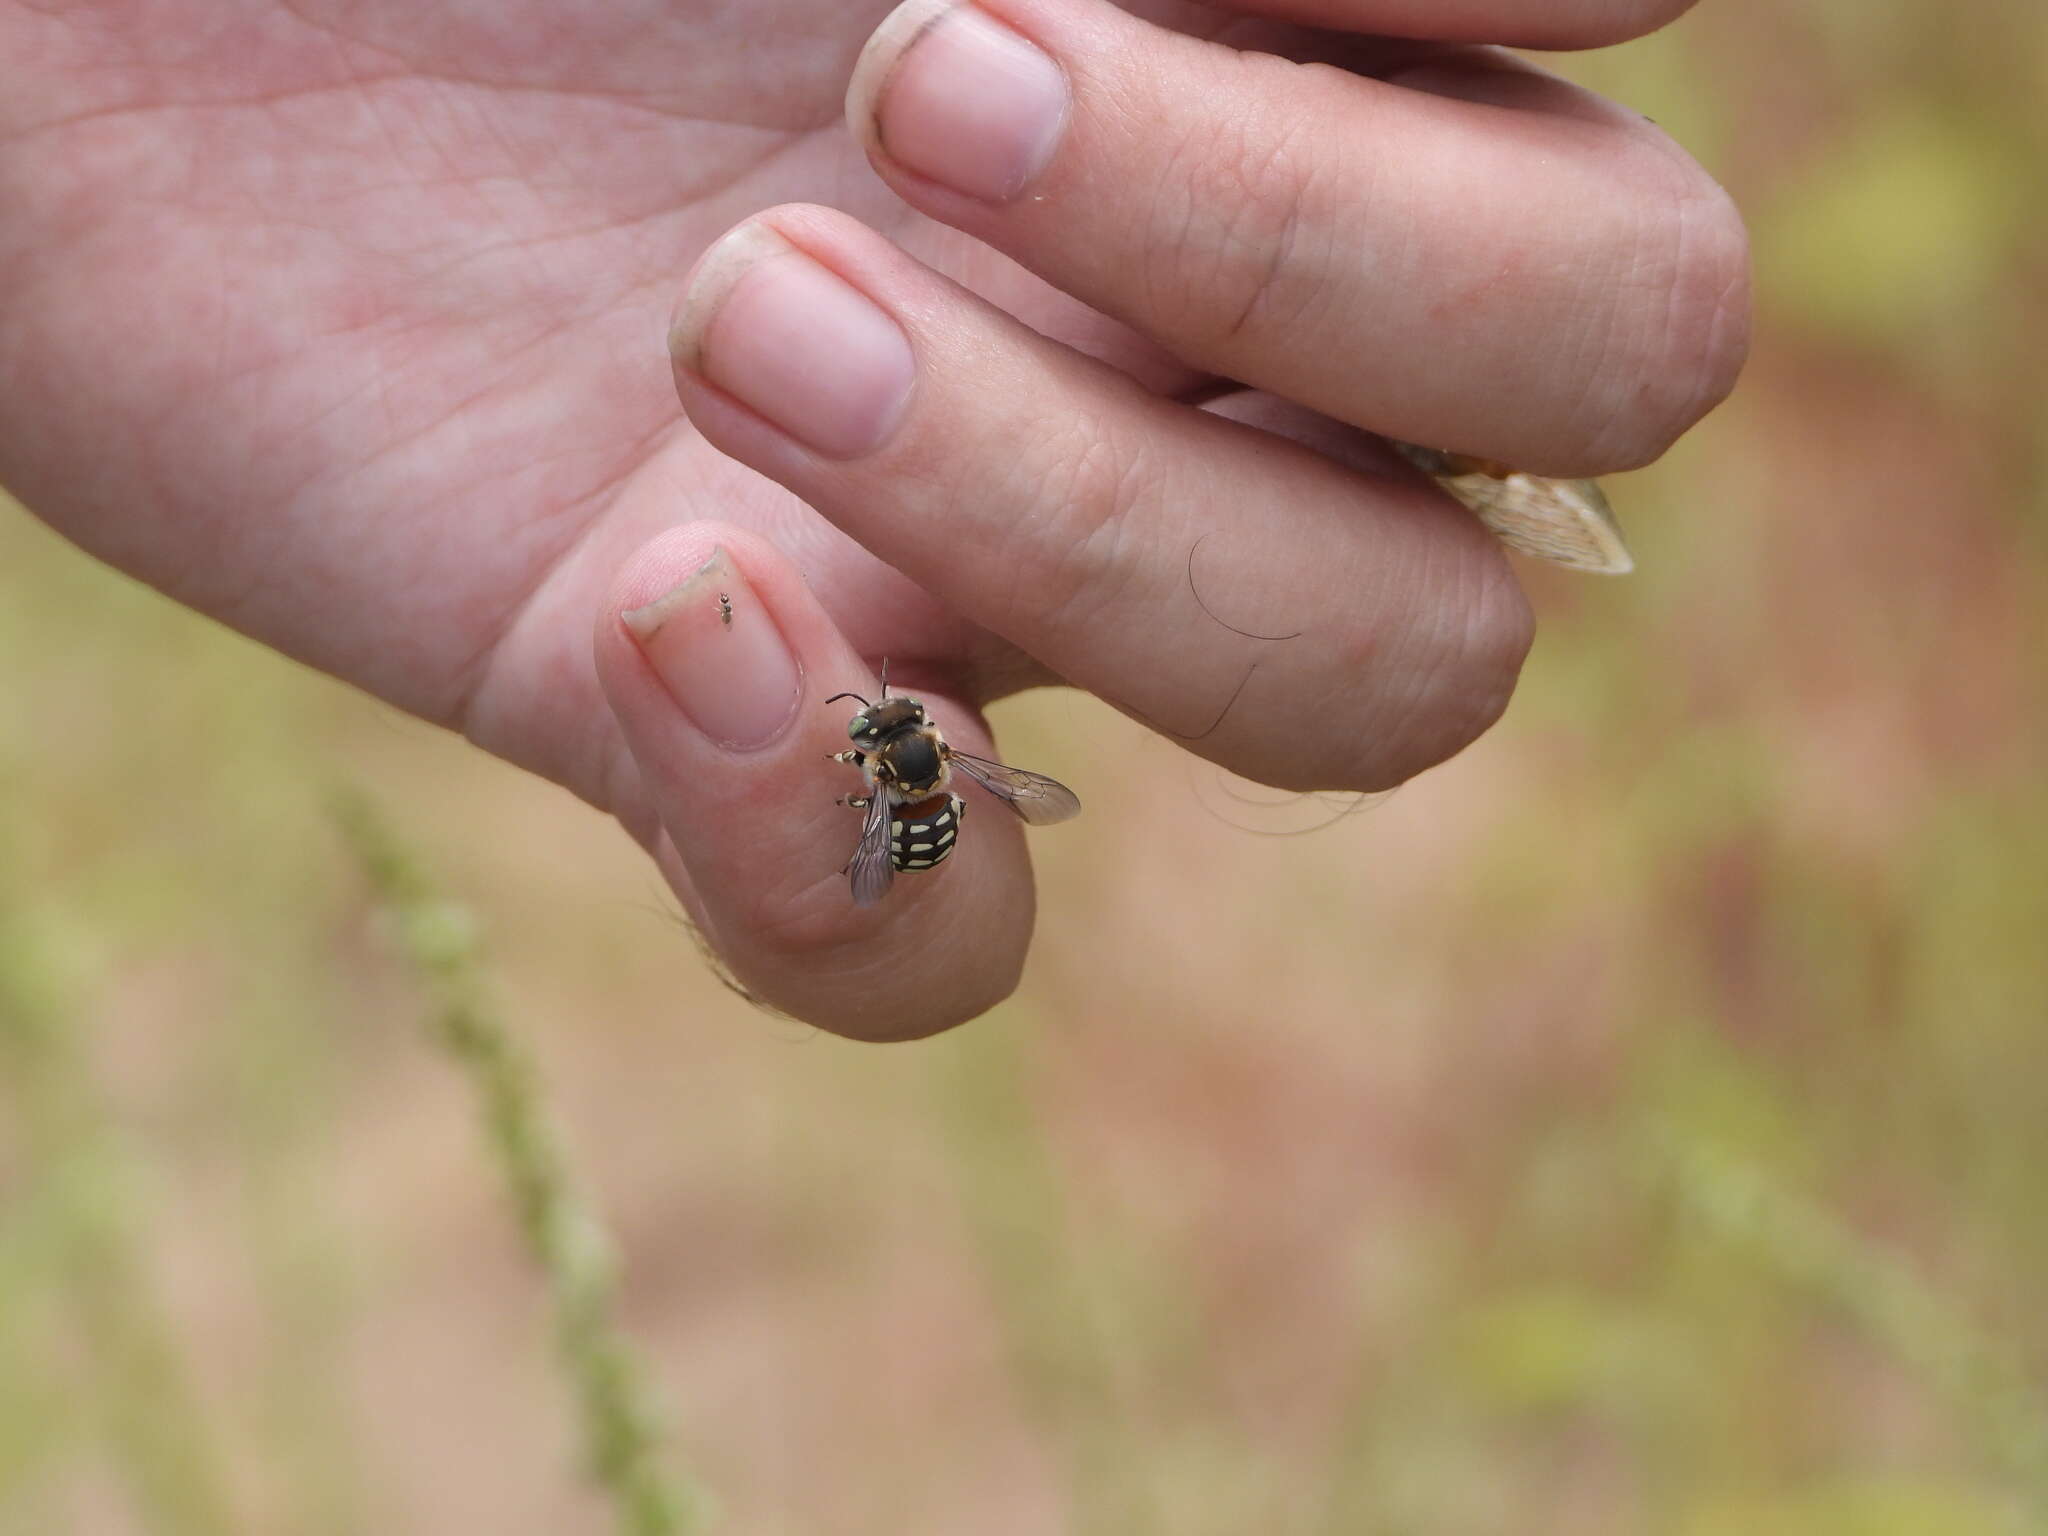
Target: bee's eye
[(858, 727)]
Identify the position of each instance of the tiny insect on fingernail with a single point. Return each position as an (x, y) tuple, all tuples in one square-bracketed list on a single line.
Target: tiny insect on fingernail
[(717, 649)]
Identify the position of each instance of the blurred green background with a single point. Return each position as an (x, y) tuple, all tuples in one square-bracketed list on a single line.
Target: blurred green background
[(1638, 1125)]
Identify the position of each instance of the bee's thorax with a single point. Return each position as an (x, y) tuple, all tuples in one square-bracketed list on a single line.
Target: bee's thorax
[(915, 760)]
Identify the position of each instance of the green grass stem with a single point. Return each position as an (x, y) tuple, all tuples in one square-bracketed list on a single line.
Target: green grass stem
[(621, 1433)]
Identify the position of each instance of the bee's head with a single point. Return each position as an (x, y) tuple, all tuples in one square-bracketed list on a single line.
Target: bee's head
[(876, 721)]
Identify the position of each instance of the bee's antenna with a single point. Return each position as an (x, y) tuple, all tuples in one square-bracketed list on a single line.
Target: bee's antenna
[(885, 688)]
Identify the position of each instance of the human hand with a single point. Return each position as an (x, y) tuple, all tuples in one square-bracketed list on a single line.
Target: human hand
[(337, 322)]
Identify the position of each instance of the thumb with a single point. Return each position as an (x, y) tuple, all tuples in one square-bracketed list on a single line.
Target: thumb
[(717, 659)]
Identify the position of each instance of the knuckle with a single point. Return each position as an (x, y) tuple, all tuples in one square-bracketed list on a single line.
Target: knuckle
[(1242, 232), (1074, 558), (1687, 337)]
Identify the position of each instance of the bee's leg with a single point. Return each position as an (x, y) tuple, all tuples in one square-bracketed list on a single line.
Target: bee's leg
[(859, 760)]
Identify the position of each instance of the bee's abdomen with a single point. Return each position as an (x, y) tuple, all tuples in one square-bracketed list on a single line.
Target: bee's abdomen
[(921, 834)]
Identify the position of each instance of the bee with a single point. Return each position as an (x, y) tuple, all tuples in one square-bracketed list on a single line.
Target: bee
[(1566, 522), (725, 610), (913, 816)]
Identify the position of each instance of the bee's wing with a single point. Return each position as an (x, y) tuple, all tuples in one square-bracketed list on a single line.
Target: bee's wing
[(1038, 800), (871, 867), (1566, 522)]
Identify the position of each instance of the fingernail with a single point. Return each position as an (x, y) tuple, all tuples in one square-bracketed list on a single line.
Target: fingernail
[(720, 655), (947, 91), (799, 344)]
